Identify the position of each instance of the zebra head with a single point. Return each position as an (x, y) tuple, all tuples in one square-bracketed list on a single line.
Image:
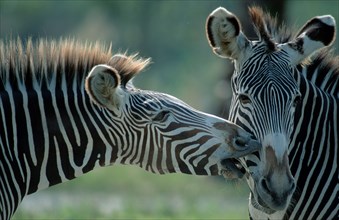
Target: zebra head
[(266, 94), (165, 135)]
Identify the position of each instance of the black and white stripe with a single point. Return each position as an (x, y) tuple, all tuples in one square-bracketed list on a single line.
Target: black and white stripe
[(314, 144), (55, 127), (288, 98), (313, 147)]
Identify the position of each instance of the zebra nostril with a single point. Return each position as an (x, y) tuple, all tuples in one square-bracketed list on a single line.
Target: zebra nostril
[(264, 185), (246, 143), (240, 141)]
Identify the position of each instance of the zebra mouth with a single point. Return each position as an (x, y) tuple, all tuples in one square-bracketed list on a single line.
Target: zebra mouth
[(232, 169)]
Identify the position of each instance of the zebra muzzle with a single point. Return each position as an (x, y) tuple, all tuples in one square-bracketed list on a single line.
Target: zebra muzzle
[(240, 142)]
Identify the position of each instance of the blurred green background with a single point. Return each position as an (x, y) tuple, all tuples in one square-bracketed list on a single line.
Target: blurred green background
[(173, 34)]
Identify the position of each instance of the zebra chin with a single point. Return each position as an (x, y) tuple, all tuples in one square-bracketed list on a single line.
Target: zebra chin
[(274, 187), (270, 203)]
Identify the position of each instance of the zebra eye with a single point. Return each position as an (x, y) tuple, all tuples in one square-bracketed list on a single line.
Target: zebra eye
[(161, 115), (244, 99), (296, 100)]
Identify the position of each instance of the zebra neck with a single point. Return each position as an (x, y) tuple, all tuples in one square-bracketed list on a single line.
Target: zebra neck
[(314, 142), (55, 135)]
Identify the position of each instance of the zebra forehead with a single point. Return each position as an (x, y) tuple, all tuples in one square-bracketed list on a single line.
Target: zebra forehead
[(156, 100), (265, 79)]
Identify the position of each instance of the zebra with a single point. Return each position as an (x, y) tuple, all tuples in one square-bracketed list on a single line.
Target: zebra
[(68, 107), (285, 92)]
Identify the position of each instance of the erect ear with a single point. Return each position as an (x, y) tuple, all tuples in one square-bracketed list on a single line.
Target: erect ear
[(224, 34), (102, 86), (314, 35)]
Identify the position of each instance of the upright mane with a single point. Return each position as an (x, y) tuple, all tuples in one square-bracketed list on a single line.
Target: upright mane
[(267, 27), (68, 59)]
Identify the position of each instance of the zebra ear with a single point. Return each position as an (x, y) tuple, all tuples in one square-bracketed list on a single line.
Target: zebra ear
[(224, 34), (314, 35), (102, 84)]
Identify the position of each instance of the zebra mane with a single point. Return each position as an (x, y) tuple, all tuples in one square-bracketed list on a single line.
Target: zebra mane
[(267, 28), (326, 77), (63, 59)]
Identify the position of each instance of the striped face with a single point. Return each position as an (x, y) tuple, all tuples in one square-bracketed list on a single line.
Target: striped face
[(266, 93), (169, 136)]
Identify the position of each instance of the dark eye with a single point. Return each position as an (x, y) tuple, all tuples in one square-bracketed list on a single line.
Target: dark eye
[(296, 100), (244, 99), (161, 115)]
